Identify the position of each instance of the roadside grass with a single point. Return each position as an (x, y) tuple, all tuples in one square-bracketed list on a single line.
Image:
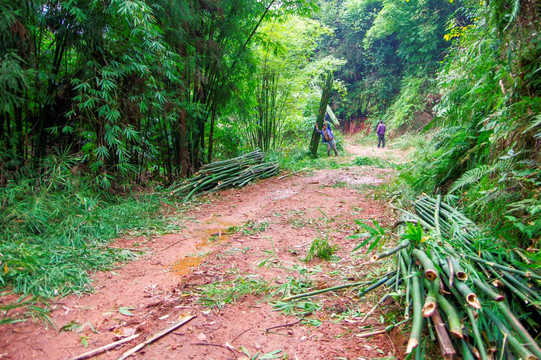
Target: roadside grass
[(51, 240), (54, 233), (374, 162)]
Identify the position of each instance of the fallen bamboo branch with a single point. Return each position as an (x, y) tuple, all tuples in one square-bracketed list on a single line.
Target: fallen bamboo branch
[(157, 336), (371, 333), (95, 352), (390, 252), (385, 297), (316, 292), (285, 325)]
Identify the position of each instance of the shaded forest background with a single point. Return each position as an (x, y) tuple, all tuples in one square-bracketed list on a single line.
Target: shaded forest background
[(99, 96)]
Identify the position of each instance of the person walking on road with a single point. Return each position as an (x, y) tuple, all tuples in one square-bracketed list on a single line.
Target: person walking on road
[(328, 138), (381, 134)]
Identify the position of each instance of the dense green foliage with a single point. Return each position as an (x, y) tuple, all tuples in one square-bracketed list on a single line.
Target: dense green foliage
[(134, 87), (486, 155), (392, 48), (52, 235)]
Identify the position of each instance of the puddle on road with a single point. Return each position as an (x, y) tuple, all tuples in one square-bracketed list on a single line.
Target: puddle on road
[(208, 237)]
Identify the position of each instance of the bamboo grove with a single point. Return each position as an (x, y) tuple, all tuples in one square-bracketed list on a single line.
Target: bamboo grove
[(129, 87)]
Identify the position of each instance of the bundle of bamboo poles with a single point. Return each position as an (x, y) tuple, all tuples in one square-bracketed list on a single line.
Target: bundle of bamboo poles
[(235, 172), (480, 297)]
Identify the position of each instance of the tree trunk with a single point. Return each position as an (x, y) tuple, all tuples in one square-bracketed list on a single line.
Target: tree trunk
[(325, 96)]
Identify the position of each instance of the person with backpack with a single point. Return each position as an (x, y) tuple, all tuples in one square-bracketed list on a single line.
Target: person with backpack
[(328, 138), (381, 134)]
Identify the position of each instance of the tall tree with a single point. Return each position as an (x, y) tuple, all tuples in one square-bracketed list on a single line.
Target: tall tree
[(325, 96)]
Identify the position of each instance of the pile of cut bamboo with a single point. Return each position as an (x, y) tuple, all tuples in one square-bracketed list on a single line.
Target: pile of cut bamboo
[(461, 282), (235, 172)]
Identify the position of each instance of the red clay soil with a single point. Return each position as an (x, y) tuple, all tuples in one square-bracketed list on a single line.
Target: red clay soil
[(260, 234)]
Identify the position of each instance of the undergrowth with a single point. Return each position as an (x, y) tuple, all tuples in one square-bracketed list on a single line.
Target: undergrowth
[(54, 231)]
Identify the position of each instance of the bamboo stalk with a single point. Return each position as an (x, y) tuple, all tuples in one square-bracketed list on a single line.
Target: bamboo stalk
[(446, 346), (417, 324), (375, 285), (451, 271), (405, 271), (437, 216), (473, 322), (466, 352), (469, 295), (459, 271), (521, 286), (493, 295), (455, 326), (514, 290), (95, 352), (430, 270)]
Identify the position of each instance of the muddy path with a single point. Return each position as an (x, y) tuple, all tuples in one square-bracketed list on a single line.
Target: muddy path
[(239, 253)]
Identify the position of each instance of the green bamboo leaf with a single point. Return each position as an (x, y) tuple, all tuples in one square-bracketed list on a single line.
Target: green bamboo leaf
[(126, 311)]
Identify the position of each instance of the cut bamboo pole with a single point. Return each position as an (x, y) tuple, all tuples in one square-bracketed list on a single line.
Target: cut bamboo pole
[(459, 271), (427, 264), (417, 323), (473, 323), (390, 252), (446, 346), (405, 271), (431, 302), (493, 295), (157, 336), (451, 271), (469, 295), (455, 326), (375, 285), (465, 351)]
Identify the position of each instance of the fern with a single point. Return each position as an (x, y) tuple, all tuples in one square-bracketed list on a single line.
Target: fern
[(505, 163)]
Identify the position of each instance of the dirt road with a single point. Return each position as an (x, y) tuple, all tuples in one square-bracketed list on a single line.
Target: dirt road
[(240, 252)]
